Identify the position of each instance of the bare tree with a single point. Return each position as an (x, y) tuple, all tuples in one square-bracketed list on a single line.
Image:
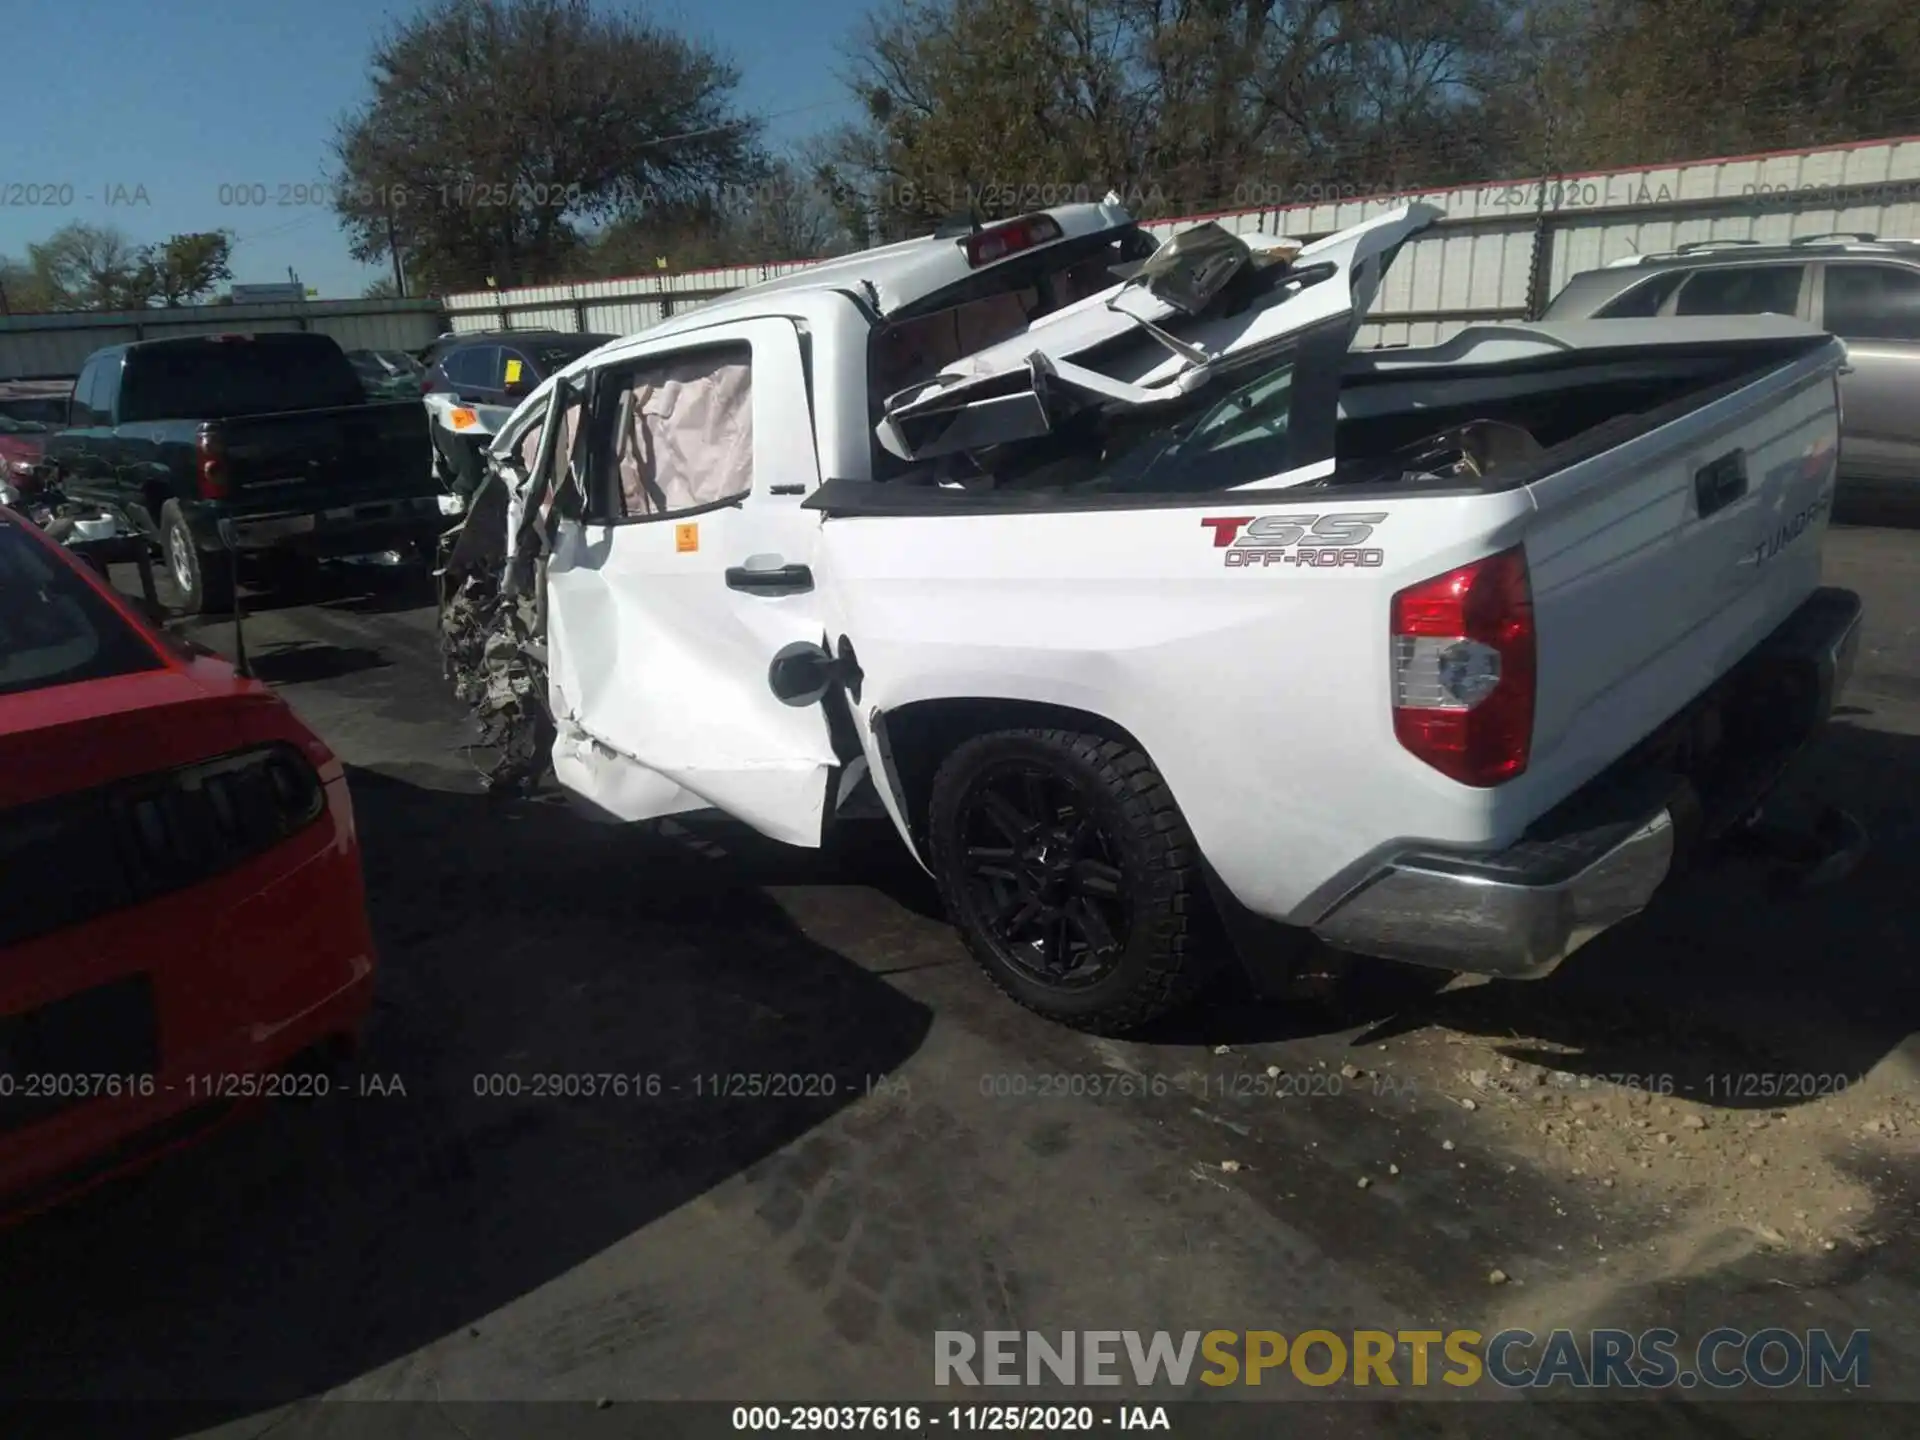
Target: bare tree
[(1193, 105), (1782, 76), (1009, 104), (88, 267), (787, 215)]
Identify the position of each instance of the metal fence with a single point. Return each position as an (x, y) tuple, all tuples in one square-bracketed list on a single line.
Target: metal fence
[(1504, 249)]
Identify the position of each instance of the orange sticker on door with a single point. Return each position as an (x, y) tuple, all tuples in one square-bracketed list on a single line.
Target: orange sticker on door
[(686, 538)]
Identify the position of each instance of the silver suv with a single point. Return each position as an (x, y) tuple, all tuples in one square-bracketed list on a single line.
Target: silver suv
[(1860, 288)]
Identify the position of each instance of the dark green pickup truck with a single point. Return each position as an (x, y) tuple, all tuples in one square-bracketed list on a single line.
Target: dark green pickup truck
[(272, 432)]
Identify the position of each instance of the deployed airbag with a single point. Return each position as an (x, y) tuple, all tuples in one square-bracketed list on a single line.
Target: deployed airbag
[(683, 436)]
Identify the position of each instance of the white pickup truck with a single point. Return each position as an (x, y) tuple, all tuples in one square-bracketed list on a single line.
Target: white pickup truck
[(1136, 598)]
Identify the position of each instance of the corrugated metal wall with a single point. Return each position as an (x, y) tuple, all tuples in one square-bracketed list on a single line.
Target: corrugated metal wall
[(60, 344), (612, 307), (1503, 245)]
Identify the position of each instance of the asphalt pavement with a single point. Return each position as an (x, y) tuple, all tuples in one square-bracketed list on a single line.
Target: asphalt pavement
[(830, 1138)]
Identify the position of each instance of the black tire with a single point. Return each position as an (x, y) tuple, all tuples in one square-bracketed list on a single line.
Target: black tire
[(1114, 915), (202, 579)]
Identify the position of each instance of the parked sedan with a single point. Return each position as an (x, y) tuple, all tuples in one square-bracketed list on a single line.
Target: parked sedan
[(182, 909)]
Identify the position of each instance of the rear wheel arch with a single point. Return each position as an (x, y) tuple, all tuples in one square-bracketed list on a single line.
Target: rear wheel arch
[(1066, 866), (916, 738)]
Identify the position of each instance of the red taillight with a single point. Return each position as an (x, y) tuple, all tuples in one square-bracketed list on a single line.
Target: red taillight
[(1010, 237), (213, 466), (1463, 669)]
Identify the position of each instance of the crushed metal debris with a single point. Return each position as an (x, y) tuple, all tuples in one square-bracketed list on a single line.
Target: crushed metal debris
[(487, 642)]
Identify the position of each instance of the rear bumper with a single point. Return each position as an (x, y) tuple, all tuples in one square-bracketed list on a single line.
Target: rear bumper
[(357, 529), (1600, 856)]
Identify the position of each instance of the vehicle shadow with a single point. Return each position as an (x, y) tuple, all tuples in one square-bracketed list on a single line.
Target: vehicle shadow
[(325, 1239), (364, 588), (862, 852), (301, 662), (369, 589), (1717, 980)]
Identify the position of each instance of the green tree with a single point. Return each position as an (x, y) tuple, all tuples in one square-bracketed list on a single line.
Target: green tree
[(182, 269), (23, 289), (500, 133)]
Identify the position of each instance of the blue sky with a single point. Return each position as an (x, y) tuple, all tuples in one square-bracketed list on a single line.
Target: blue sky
[(142, 112)]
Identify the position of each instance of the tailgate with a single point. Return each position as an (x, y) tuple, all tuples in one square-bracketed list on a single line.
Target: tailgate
[(1657, 564), (306, 460)]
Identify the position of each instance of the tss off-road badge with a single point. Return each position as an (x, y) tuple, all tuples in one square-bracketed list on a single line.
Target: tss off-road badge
[(1312, 542)]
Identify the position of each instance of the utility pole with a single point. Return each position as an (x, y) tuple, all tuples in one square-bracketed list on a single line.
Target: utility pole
[(1540, 262), (393, 249)]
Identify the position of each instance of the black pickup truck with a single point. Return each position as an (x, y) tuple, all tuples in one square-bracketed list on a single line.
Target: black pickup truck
[(272, 432)]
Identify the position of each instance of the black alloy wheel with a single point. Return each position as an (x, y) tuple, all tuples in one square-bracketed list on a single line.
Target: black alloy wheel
[(1071, 875), (1043, 877)]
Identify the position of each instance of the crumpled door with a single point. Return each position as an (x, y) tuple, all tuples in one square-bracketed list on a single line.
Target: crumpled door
[(668, 601)]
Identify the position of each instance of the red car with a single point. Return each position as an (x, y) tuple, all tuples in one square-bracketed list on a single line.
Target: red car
[(183, 917)]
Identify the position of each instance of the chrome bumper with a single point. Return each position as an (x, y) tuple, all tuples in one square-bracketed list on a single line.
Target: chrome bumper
[(1463, 918), (1517, 913)]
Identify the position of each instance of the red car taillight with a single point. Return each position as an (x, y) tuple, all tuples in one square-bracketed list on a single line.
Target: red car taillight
[(213, 466), (1463, 669)]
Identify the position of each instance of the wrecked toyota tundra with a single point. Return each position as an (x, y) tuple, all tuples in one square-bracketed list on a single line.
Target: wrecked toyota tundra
[(1138, 600)]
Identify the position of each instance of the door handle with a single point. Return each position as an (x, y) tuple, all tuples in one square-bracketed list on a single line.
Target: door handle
[(1720, 483), (773, 580)]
